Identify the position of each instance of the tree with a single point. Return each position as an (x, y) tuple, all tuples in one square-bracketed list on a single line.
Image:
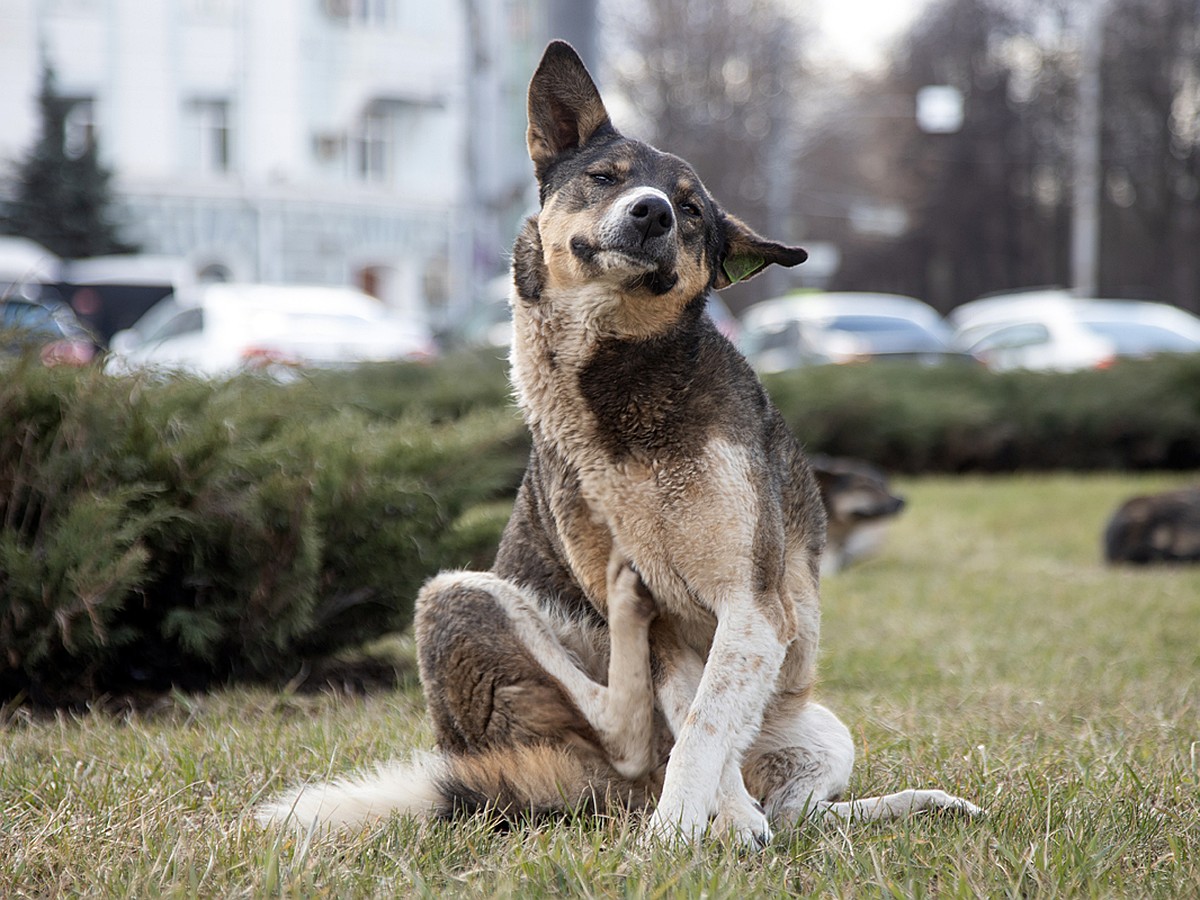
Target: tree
[(986, 208), (1150, 211), (63, 196), (989, 208), (718, 83)]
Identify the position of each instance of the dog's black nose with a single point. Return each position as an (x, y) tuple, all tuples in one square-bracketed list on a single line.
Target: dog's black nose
[(653, 216)]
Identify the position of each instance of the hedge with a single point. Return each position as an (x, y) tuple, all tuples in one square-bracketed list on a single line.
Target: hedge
[(960, 418), (159, 532), (171, 531), (1139, 414)]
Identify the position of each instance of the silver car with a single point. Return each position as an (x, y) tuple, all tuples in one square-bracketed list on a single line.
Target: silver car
[(1055, 332), (843, 327)]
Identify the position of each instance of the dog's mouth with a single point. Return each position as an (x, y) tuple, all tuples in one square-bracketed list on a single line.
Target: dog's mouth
[(637, 268)]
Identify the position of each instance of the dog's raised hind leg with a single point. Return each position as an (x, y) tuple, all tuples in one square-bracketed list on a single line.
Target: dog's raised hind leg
[(626, 723), (621, 712)]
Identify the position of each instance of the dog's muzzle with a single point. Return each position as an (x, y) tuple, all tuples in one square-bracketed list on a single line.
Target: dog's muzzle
[(637, 235), (651, 216), (636, 240)]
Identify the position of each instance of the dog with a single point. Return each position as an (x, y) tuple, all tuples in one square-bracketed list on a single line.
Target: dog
[(1158, 528), (647, 636), (858, 506)]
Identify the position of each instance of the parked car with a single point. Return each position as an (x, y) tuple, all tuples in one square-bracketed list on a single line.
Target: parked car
[(24, 262), (110, 293), (489, 324), (841, 327), (1053, 331), (52, 328), (219, 329)]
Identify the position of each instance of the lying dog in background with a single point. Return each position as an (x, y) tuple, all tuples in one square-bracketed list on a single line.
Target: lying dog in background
[(649, 630), (858, 506), (1158, 528)]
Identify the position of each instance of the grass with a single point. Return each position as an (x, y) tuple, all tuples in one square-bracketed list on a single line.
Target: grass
[(987, 651)]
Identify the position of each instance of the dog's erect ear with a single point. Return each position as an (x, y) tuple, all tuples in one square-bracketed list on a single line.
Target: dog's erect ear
[(565, 109), (746, 254)]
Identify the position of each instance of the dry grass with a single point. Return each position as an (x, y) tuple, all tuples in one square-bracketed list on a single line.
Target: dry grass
[(987, 651)]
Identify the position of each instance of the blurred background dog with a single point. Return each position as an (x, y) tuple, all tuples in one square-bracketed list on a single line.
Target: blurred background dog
[(1155, 528), (859, 504)]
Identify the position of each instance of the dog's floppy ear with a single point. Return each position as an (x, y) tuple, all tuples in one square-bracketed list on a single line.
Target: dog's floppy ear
[(565, 109), (746, 253)]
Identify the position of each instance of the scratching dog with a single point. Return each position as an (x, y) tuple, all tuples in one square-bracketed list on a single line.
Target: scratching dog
[(648, 633)]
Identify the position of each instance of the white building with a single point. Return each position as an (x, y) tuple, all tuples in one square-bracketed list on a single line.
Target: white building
[(320, 141)]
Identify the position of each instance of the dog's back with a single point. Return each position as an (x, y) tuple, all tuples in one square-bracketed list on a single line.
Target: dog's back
[(1156, 528)]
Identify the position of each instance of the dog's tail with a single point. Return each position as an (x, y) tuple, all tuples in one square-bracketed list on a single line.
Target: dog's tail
[(509, 782)]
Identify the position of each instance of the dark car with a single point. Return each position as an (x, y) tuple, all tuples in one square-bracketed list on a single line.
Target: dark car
[(52, 329)]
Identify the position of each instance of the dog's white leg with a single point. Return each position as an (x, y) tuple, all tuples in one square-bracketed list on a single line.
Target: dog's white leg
[(803, 759), (738, 813), (676, 692), (723, 719)]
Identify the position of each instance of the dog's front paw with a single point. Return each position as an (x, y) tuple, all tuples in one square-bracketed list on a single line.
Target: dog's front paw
[(746, 823), (673, 822)]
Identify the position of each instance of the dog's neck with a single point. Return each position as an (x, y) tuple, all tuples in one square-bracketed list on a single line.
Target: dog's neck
[(552, 348), (566, 337)]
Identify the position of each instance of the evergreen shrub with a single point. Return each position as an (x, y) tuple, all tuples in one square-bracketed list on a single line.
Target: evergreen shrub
[(175, 531), (1140, 414), (159, 531)]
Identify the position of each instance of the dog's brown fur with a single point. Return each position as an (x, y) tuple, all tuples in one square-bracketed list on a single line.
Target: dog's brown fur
[(668, 528)]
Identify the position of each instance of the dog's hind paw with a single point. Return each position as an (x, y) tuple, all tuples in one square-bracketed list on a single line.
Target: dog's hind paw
[(962, 807), (934, 800), (896, 806), (628, 597)]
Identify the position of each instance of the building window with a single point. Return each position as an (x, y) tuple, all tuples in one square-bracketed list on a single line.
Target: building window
[(370, 280), (79, 127), (374, 144), (365, 13), (206, 136)]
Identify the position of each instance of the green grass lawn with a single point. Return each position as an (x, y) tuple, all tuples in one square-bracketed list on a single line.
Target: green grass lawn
[(988, 651)]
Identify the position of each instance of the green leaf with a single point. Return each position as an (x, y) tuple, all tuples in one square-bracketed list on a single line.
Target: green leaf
[(738, 268)]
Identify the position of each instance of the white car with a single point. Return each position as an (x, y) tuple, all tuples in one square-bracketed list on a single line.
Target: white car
[(220, 329), (490, 323), (1054, 332), (841, 327)]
